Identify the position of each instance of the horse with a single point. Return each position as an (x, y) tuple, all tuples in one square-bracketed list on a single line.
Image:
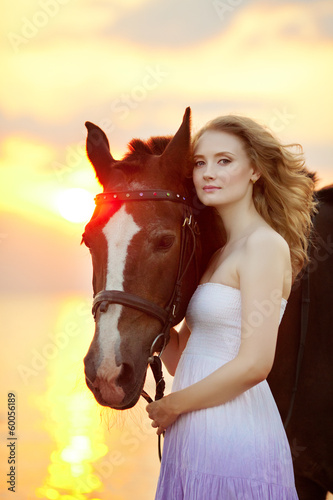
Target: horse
[(144, 274), (306, 329)]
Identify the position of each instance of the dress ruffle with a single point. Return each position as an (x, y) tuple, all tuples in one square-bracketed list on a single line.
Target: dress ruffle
[(185, 484)]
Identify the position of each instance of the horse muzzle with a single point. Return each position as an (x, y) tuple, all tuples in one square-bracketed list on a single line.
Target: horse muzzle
[(118, 387)]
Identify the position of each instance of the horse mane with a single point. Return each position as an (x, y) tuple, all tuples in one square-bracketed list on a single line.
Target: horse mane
[(209, 223), (325, 195), (152, 146)]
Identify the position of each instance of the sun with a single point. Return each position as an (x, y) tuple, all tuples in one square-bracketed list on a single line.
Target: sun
[(75, 204)]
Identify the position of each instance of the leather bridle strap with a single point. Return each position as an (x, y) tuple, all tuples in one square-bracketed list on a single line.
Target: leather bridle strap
[(141, 195), (166, 316), (105, 297)]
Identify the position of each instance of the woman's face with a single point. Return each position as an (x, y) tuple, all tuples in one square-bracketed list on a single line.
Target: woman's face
[(222, 171)]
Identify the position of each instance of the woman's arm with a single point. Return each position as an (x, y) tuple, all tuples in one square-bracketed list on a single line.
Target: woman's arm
[(175, 347), (262, 273)]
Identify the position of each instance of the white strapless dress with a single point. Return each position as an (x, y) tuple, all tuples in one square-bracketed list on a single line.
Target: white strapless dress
[(235, 451)]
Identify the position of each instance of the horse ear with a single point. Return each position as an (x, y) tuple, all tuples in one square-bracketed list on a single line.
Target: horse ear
[(98, 151), (178, 150)]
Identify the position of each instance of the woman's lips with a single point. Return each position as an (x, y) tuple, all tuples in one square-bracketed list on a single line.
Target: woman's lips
[(210, 189)]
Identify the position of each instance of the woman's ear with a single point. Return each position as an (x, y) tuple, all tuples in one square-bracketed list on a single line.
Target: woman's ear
[(255, 176)]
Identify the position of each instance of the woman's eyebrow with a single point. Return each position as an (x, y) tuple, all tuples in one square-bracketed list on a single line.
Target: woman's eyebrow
[(224, 153), (221, 153)]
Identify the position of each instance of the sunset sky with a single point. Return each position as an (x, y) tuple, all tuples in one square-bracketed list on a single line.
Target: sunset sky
[(132, 66)]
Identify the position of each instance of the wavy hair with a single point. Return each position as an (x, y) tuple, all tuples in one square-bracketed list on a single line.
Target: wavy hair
[(284, 193)]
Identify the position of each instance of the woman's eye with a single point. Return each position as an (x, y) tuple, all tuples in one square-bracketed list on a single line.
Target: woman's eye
[(199, 163), (224, 161)]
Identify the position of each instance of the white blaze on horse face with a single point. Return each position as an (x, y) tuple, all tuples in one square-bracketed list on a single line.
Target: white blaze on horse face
[(118, 232)]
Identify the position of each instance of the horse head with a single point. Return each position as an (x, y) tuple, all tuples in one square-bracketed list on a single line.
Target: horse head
[(135, 242)]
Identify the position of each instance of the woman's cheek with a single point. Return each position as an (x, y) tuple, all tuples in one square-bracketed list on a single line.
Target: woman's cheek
[(232, 174), (196, 178)]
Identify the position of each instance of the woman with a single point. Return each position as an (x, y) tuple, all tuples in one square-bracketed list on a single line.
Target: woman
[(224, 436)]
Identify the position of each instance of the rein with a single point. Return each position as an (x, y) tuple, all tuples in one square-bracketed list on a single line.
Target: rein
[(166, 315)]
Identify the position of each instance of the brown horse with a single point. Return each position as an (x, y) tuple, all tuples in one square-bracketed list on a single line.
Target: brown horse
[(135, 239), (310, 430), (136, 247)]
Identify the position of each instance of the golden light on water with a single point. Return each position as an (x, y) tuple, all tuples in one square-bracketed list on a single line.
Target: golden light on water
[(86, 459), (72, 417)]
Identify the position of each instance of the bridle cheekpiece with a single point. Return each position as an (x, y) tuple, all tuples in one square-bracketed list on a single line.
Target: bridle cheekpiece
[(166, 315)]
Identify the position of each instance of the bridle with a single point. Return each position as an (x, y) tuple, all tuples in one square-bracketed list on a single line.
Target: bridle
[(166, 315)]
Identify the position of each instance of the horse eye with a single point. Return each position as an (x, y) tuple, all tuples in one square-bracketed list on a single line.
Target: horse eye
[(165, 242)]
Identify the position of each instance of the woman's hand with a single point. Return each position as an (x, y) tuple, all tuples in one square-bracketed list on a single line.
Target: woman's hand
[(162, 413)]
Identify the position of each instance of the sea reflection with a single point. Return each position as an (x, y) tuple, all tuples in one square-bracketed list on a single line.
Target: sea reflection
[(71, 417), (92, 456)]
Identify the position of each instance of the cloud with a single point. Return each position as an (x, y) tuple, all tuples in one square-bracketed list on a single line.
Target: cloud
[(95, 61), (170, 23)]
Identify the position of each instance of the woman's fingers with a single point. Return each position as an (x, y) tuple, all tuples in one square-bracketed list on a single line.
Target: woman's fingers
[(159, 428), (151, 409)]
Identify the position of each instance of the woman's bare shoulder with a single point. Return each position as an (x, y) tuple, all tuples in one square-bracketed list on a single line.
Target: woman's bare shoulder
[(265, 238), (266, 259), (265, 248)]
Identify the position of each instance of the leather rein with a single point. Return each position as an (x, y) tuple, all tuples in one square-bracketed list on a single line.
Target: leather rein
[(166, 315)]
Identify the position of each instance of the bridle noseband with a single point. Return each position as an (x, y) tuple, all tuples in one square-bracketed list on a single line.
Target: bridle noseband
[(166, 315)]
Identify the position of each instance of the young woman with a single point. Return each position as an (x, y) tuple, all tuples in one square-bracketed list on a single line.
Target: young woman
[(224, 436)]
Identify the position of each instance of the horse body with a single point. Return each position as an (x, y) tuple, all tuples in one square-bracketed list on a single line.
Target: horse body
[(135, 248), (310, 430)]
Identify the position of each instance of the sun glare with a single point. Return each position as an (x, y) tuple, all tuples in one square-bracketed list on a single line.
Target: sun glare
[(75, 204)]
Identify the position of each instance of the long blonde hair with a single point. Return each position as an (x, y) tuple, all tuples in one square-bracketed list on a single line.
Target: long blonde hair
[(284, 193)]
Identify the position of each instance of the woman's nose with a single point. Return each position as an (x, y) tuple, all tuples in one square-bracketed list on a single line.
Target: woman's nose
[(209, 173)]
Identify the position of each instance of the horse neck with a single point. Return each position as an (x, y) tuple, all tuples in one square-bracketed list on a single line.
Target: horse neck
[(212, 234)]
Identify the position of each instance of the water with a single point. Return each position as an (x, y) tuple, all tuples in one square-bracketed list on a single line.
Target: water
[(67, 447)]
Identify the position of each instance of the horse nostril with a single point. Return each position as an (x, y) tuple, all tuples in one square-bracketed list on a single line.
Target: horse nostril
[(89, 369), (126, 375)]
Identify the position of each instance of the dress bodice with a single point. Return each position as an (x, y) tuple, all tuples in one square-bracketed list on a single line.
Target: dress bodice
[(236, 450), (214, 318)]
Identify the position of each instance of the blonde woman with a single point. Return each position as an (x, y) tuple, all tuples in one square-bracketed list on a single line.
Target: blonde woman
[(224, 436)]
